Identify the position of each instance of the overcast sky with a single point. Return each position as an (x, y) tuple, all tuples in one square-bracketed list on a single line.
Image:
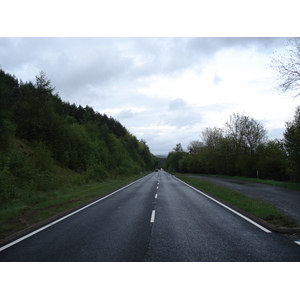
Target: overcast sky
[(163, 90)]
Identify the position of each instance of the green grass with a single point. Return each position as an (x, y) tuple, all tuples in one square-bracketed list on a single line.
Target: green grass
[(18, 215), (255, 207)]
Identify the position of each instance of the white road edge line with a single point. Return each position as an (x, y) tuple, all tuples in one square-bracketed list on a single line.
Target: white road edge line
[(67, 216), (297, 242), (242, 216), (152, 216)]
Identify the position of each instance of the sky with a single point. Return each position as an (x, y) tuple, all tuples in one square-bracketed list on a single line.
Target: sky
[(163, 90), (164, 69)]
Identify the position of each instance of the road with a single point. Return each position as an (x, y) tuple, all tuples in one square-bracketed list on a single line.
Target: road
[(285, 200), (156, 219)]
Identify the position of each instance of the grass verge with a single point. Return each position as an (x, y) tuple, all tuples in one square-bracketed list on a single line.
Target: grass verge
[(264, 211), (16, 216)]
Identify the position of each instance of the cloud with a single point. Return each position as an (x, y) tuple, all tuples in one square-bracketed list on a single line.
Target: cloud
[(126, 114), (209, 46), (181, 114), (177, 104), (217, 79)]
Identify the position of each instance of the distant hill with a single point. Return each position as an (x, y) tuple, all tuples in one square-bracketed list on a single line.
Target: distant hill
[(161, 156)]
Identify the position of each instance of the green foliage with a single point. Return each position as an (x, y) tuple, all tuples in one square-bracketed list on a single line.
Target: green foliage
[(271, 161), (7, 127), (46, 143), (241, 148), (292, 142), (176, 160)]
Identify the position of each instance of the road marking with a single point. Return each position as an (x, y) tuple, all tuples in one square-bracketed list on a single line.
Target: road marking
[(155, 196), (298, 242), (152, 216), (66, 216), (157, 188), (227, 207)]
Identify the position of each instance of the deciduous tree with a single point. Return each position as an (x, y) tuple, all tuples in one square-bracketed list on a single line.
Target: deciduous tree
[(292, 141), (287, 67)]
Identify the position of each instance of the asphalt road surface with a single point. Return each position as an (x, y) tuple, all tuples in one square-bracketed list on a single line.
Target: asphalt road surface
[(156, 219), (285, 200)]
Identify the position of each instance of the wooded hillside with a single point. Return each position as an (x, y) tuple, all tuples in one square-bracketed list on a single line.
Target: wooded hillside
[(47, 143)]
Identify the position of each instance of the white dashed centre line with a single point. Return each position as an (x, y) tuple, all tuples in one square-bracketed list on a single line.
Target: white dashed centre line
[(155, 196), (152, 216)]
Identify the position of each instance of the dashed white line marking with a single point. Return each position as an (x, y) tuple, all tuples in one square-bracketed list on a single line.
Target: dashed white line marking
[(298, 242), (155, 196), (152, 216)]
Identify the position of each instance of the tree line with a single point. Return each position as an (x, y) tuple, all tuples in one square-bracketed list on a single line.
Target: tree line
[(241, 148), (47, 143)]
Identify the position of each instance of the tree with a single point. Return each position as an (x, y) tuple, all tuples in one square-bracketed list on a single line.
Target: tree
[(288, 67), (43, 86), (8, 87), (211, 136), (246, 132), (271, 160), (178, 148), (175, 160), (195, 147), (292, 141)]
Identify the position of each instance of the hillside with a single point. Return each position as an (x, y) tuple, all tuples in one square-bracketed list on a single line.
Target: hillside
[(47, 143)]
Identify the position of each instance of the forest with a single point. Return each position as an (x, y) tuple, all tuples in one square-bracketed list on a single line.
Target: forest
[(47, 143), (241, 148)]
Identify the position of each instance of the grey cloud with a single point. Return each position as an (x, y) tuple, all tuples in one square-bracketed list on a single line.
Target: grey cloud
[(183, 119), (75, 62), (172, 55), (161, 55), (177, 104), (126, 114), (211, 45), (183, 116), (75, 66)]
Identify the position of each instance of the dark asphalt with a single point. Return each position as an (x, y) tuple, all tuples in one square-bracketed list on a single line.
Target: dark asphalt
[(287, 201), (190, 227), (187, 227), (114, 229)]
